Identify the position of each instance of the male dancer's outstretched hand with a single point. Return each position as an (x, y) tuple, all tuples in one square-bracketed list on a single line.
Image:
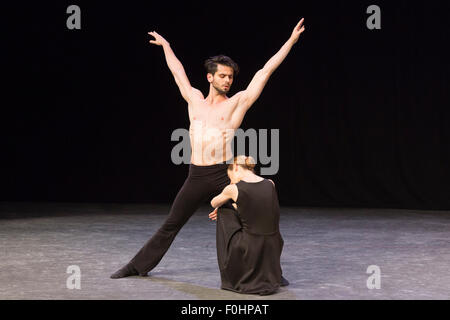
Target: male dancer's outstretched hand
[(159, 40), (298, 30)]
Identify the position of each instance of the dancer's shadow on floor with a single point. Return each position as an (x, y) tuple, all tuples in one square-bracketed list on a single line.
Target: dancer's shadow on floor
[(206, 293)]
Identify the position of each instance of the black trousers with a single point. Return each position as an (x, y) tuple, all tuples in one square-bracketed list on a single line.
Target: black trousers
[(202, 184)]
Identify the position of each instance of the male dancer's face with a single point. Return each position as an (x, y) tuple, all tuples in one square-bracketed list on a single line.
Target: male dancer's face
[(222, 79)]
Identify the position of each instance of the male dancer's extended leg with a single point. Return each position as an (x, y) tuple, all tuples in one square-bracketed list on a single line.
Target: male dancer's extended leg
[(191, 196), (201, 183)]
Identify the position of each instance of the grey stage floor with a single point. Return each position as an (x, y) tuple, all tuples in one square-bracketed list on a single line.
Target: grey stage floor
[(326, 253)]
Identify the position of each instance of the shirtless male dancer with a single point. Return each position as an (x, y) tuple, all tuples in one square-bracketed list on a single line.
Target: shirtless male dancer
[(213, 121)]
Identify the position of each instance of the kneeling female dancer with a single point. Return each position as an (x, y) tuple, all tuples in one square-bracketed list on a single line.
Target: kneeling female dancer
[(249, 242)]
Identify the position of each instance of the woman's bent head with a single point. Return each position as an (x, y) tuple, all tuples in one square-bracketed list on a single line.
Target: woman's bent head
[(240, 166)]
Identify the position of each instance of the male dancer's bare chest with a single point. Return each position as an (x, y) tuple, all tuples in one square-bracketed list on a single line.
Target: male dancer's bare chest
[(218, 117), (211, 134)]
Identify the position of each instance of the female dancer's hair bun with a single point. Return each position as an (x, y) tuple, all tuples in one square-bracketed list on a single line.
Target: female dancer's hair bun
[(250, 163)]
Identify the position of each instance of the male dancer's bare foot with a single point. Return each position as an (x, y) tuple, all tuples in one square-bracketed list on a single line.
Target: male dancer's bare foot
[(126, 271)]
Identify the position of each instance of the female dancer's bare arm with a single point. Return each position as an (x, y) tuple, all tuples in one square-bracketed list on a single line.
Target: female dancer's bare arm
[(229, 192)]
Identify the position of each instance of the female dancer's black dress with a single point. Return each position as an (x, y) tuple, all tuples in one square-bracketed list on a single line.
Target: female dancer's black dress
[(249, 242)]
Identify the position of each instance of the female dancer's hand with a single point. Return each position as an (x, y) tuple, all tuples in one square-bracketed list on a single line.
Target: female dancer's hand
[(213, 215), (159, 40)]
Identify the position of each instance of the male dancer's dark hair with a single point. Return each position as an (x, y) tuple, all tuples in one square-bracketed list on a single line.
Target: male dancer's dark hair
[(211, 64)]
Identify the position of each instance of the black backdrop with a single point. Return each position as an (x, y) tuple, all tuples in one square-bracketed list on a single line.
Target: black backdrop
[(363, 114)]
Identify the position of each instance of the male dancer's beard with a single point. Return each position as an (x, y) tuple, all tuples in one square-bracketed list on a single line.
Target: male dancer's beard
[(220, 91)]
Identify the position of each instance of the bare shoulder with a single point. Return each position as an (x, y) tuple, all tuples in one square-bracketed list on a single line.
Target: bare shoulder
[(196, 98), (238, 96), (230, 189), (197, 93)]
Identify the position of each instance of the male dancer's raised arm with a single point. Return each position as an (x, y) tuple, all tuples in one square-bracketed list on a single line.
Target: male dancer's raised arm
[(254, 89), (175, 67)]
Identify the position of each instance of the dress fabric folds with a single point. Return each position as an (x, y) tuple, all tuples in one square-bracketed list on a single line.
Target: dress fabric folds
[(249, 243)]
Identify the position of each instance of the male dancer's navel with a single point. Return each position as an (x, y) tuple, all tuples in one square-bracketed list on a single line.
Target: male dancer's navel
[(210, 145)]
